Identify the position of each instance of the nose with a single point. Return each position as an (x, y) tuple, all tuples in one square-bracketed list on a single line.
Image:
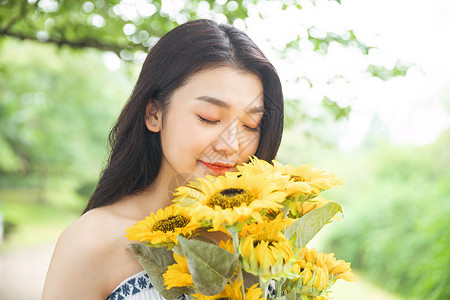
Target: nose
[(227, 141)]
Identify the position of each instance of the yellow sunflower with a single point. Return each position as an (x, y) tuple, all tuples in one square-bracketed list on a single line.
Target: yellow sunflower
[(256, 165), (228, 245), (232, 198), (275, 224), (324, 297), (232, 291), (338, 268), (178, 273), (304, 179), (318, 272), (259, 166), (305, 176), (163, 227), (265, 250)]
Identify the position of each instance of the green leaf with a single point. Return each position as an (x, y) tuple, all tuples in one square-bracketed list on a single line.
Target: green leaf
[(305, 228), (203, 239), (209, 265), (338, 111), (249, 279), (155, 262)]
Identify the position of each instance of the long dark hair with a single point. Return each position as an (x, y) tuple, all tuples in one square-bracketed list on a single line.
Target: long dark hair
[(135, 156)]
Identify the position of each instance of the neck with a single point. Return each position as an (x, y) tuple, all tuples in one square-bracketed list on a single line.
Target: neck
[(140, 205)]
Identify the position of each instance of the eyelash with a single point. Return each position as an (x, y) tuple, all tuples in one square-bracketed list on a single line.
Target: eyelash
[(251, 129), (207, 121)]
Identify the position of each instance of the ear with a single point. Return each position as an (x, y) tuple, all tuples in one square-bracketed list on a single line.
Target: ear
[(153, 117)]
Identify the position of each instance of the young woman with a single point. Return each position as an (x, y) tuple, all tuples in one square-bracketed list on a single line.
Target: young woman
[(206, 99)]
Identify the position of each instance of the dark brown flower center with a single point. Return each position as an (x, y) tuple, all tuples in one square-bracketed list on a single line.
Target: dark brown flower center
[(256, 242), (297, 178), (231, 197), (170, 223)]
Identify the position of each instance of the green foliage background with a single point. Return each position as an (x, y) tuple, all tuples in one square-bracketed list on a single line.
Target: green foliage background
[(397, 230), (396, 201), (54, 120)]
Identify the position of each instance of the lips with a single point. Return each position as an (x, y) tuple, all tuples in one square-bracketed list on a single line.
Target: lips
[(218, 167)]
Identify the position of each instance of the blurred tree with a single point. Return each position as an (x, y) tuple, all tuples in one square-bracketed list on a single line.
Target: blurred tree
[(130, 28), (54, 119), (123, 27), (397, 230), (45, 107), (127, 26)]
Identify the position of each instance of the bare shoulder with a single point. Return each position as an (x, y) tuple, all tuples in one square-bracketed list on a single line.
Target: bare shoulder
[(80, 262)]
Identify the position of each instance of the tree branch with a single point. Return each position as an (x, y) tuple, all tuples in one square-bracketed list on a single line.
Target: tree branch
[(87, 43)]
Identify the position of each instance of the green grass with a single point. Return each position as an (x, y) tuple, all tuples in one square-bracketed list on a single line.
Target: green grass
[(33, 222)]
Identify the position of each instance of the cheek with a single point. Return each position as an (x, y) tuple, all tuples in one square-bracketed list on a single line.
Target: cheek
[(249, 148), (193, 138)]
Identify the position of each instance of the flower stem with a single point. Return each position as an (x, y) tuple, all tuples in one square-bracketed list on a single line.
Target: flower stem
[(234, 235), (264, 287), (278, 287)]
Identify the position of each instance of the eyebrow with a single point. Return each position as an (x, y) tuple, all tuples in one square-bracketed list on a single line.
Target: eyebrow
[(220, 103)]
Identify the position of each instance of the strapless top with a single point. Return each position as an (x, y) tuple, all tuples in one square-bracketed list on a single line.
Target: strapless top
[(137, 287)]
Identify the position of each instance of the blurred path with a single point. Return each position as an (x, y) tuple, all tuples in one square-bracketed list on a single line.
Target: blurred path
[(22, 272), (361, 289), (22, 276)]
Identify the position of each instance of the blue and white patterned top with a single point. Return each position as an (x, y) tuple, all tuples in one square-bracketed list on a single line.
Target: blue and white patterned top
[(137, 287)]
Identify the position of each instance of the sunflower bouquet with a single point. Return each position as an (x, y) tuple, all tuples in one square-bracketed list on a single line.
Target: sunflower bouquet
[(269, 212)]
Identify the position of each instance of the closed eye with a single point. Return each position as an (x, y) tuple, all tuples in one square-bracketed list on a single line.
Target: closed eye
[(207, 121), (211, 122), (252, 129)]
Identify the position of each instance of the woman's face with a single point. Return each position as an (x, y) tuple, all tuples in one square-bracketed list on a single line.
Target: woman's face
[(212, 123)]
